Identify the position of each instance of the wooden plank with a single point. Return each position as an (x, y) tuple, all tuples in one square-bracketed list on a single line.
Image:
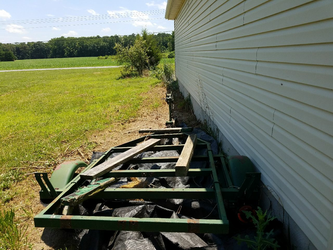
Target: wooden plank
[(110, 164), (86, 192), (185, 157)]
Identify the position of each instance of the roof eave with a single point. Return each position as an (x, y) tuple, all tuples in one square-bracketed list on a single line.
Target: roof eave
[(173, 8)]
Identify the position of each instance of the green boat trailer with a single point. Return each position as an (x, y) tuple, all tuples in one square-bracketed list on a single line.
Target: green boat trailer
[(235, 183)]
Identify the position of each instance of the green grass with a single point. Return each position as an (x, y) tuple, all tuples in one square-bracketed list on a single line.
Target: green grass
[(45, 112), (58, 63), (12, 235), (167, 61)]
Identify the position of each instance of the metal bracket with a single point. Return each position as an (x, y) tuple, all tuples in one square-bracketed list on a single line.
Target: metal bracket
[(46, 185), (169, 99), (249, 186)]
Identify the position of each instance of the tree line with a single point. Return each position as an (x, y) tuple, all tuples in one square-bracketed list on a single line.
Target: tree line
[(77, 47)]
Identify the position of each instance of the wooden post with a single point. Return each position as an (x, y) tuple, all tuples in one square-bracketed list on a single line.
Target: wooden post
[(185, 157)]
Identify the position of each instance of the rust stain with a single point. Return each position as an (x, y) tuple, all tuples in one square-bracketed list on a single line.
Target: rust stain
[(65, 221), (61, 165), (193, 226), (128, 225)]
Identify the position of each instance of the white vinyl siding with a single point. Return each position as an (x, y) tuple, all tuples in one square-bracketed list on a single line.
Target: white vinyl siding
[(263, 72)]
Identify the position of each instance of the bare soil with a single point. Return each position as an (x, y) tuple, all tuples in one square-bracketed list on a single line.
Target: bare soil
[(26, 202)]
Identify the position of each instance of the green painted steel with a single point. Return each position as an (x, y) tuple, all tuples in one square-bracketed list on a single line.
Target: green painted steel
[(218, 193), (239, 166), (157, 193), (225, 175), (157, 173), (159, 147), (48, 190), (133, 224), (64, 173)]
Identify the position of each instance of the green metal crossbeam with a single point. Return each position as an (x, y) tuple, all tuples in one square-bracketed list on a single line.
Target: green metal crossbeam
[(133, 224), (158, 147), (156, 193), (157, 173)]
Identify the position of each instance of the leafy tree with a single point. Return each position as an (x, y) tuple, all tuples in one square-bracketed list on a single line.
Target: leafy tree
[(171, 42), (153, 52), (39, 50), (22, 51), (6, 55), (135, 57), (1, 54)]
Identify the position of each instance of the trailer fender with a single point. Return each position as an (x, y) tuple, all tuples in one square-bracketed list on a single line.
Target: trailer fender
[(64, 173), (239, 166)]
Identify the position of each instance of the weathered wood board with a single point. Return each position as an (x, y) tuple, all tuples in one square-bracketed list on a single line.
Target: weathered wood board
[(110, 164), (87, 192), (185, 157)]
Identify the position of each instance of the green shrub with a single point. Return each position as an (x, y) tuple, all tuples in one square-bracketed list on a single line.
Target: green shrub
[(171, 55), (164, 73), (168, 72)]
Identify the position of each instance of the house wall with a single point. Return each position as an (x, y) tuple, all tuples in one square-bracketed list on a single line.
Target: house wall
[(261, 71)]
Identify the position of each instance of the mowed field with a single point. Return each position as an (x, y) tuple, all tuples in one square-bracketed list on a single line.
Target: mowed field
[(46, 113), (58, 63)]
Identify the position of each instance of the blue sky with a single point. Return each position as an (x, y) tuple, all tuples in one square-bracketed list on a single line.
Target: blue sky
[(41, 20)]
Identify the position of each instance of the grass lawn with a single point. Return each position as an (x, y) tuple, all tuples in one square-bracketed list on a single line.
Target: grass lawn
[(57, 63), (43, 113)]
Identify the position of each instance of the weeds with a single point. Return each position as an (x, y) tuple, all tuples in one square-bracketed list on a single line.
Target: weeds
[(212, 132), (12, 235), (262, 240), (164, 73), (171, 55), (128, 72), (186, 104), (8, 179), (173, 86)]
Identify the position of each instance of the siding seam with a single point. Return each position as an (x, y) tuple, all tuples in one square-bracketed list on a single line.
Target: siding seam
[(255, 69), (273, 123)]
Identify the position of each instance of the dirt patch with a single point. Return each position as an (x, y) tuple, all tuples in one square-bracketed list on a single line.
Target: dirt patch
[(153, 114)]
